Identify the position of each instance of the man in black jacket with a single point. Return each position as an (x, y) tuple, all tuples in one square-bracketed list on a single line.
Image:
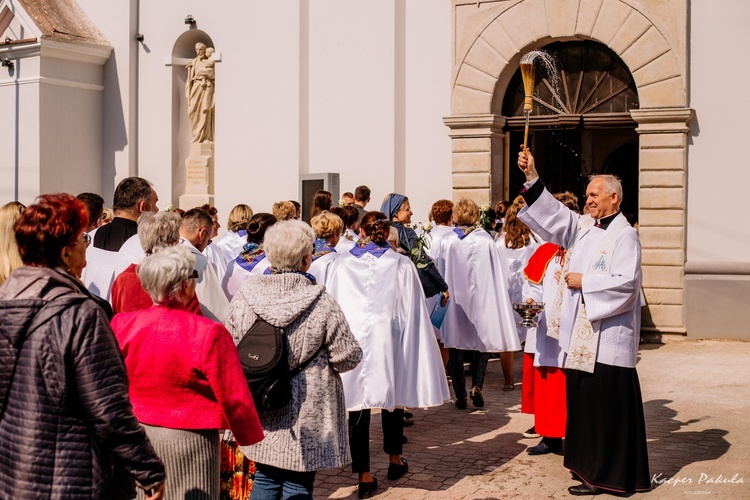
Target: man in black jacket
[(133, 196)]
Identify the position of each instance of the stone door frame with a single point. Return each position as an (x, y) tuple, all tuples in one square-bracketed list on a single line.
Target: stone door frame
[(489, 39)]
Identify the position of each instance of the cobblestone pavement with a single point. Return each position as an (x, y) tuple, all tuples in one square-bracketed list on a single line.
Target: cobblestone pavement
[(697, 401)]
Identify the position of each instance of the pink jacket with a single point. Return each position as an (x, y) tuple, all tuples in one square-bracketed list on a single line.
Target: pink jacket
[(185, 373)]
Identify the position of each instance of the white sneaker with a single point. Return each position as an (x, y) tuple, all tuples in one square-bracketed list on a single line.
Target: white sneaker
[(531, 434)]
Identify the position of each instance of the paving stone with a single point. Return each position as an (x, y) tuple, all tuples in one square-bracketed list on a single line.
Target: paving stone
[(696, 397)]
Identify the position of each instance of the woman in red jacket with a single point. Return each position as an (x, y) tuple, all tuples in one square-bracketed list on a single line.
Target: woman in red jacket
[(186, 381)]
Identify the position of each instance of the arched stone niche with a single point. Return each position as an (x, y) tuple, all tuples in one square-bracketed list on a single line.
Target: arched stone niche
[(650, 37), (183, 52)]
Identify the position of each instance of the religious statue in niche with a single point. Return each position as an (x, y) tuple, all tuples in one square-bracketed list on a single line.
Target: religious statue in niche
[(199, 92)]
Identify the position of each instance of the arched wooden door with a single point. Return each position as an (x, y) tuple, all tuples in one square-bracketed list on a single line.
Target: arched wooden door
[(577, 125)]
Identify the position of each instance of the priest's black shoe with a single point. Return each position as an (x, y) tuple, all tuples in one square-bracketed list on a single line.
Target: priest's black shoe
[(408, 414), (585, 489), (365, 489), (461, 403), (476, 397), (546, 445), (396, 471)]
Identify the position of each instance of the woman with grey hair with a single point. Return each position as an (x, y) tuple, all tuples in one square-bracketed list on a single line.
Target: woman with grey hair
[(310, 433), (182, 403), (156, 231)]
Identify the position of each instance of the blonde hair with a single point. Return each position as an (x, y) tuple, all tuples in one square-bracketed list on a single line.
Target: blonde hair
[(10, 258), (517, 234), (239, 217), (107, 216), (326, 224), (284, 210), (465, 213)]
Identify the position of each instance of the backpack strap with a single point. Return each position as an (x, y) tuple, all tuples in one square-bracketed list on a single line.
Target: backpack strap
[(302, 366)]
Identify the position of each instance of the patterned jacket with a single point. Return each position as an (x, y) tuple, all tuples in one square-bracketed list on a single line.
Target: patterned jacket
[(311, 432)]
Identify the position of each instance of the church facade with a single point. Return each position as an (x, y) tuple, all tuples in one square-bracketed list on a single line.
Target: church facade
[(419, 97)]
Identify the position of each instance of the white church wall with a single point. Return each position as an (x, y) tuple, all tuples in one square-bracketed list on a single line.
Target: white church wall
[(117, 21), (352, 91), (19, 132), (427, 101), (718, 172)]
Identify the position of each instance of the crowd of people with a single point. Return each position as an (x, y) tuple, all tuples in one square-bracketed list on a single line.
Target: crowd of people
[(119, 360)]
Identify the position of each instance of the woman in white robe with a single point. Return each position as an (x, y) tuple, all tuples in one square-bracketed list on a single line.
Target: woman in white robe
[(252, 260), (479, 318), (349, 237), (327, 227), (516, 245), (232, 242), (381, 296)]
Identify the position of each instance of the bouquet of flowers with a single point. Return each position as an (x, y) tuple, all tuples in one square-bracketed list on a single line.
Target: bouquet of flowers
[(418, 253), (484, 220)]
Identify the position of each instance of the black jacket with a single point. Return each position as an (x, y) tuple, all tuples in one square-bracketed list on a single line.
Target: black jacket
[(66, 424), (429, 276)]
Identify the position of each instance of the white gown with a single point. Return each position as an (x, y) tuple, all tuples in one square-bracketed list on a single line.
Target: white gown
[(131, 252), (322, 266), (236, 275), (515, 260), (480, 316), (436, 234), (102, 267), (211, 297), (613, 298), (231, 245), (547, 349), (345, 244), (216, 257), (385, 306)]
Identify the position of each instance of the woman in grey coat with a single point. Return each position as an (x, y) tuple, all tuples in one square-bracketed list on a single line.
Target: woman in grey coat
[(310, 433)]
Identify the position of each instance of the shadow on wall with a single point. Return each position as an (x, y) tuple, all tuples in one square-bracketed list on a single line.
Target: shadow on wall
[(115, 131)]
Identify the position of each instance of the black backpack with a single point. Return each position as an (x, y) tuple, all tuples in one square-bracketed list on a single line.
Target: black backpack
[(264, 357)]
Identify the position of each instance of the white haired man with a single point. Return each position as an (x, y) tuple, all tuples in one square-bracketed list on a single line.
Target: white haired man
[(597, 318)]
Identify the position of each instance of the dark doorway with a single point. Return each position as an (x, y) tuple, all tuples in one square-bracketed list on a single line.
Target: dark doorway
[(582, 127)]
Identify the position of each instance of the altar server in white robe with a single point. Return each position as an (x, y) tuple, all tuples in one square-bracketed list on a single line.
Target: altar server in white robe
[(381, 296), (252, 259), (479, 319), (235, 238), (328, 228), (599, 317)]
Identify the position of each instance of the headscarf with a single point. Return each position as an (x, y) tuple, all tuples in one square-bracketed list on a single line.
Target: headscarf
[(391, 205)]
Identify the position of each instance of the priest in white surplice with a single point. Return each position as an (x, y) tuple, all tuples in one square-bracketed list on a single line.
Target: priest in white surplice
[(597, 319)]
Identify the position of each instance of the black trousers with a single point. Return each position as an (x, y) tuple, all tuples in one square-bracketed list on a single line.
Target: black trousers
[(359, 436), (478, 366)]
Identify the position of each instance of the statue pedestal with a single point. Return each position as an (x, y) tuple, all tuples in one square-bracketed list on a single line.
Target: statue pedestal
[(198, 165)]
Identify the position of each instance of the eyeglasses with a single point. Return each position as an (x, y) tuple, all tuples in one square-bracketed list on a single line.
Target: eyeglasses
[(194, 274), (85, 239)]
